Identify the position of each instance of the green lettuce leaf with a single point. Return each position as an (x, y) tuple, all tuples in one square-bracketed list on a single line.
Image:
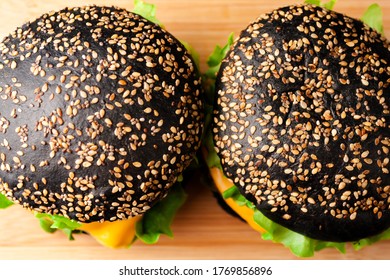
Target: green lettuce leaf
[(328, 5), (212, 159), (298, 244), (218, 54), (5, 202), (208, 81), (155, 222), (370, 240), (231, 193), (214, 63), (159, 218), (373, 17), (51, 223), (146, 10), (235, 194)]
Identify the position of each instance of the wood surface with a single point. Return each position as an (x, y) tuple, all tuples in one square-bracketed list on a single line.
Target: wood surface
[(202, 230)]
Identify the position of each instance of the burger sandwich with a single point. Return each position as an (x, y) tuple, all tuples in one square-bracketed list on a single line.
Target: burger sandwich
[(299, 136), (100, 113)]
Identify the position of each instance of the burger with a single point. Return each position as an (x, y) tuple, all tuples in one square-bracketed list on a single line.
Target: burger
[(299, 136), (101, 112)]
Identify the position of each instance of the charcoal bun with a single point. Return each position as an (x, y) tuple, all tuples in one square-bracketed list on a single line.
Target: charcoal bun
[(100, 112), (301, 122)]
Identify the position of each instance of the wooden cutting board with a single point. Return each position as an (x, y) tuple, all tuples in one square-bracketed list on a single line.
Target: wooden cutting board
[(202, 230)]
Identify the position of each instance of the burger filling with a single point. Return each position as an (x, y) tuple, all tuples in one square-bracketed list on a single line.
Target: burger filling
[(119, 234)]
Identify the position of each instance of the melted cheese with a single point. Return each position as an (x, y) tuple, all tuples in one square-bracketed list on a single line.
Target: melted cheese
[(222, 183), (116, 234), (120, 234)]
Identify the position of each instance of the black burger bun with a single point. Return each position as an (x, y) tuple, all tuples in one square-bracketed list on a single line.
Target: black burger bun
[(100, 112), (301, 122)]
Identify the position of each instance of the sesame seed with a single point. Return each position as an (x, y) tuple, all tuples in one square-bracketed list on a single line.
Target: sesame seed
[(96, 112), (313, 104)]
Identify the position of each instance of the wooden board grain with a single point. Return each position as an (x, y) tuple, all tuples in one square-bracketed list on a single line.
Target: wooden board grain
[(202, 230)]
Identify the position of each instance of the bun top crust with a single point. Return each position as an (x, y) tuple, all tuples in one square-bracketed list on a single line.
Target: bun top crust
[(100, 112), (301, 122)]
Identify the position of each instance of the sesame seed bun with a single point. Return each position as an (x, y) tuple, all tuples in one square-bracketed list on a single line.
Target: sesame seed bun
[(301, 122), (100, 112)]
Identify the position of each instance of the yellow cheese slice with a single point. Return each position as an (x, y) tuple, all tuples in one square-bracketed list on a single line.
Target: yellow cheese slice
[(222, 183), (120, 234), (116, 234)]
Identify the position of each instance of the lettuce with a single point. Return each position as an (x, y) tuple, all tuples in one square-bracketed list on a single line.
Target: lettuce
[(299, 245), (155, 222), (211, 156), (234, 193), (158, 219), (215, 59), (51, 223), (373, 17), (4, 202), (146, 10), (371, 240), (208, 79), (214, 62)]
